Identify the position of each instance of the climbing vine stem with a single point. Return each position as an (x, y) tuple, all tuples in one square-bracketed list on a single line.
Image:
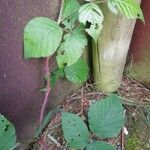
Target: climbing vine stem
[(47, 71), (48, 87)]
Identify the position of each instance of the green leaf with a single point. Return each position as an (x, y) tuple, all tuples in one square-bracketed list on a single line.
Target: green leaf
[(78, 72), (72, 47), (61, 60), (75, 130), (106, 117), (130, 8), (99, 146), (55, 75), (112, 7), (7, 134), (70, 13), (42, 37), (94, 31), (91, 13)]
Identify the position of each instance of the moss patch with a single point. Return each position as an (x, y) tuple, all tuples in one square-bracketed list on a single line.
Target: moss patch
[(139, 136)]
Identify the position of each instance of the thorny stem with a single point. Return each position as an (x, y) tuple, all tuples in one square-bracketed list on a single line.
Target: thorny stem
[(47, 71), (48, 88)]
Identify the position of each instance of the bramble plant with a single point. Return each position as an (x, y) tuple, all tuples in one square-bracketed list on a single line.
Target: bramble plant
[(44, 36), (7, 134), (105, 120)]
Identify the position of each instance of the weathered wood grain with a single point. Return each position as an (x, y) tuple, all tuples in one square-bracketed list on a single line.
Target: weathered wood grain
[(109, 55)]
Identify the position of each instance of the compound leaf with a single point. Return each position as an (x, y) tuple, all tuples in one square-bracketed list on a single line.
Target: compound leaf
[(72, 47), (7, 134), (99, 146), (70, 13), (75, 130), (42, 37), (130, 8), (106, 117), (78, 72)]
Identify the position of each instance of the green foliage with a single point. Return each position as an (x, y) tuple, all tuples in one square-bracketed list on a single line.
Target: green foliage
[(55, 75), (133, 143), (7, 134), (42, 37), (72, 47), (112, 7), (91, 13), (94, 31), (70, 13), (129, 8), (75, 130), (99, 146), (105, 117), (78, 72)]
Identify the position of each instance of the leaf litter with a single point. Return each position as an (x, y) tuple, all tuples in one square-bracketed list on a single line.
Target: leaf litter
[(136, 99)]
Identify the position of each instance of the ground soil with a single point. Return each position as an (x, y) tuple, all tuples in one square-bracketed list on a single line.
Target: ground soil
[(136, 101)]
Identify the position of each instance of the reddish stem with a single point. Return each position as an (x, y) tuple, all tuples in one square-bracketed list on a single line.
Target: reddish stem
[(48, 88)]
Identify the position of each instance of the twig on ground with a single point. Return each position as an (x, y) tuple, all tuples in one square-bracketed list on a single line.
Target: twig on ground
[(56, 126), (122, 139), (82, 102), (137, 83), (55, 141)]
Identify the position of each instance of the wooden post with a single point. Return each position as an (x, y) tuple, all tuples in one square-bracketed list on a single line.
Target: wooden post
[(109, 54)]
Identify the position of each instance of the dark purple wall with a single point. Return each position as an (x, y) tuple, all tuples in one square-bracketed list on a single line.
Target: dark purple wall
[(20, 79), (140, 48)]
